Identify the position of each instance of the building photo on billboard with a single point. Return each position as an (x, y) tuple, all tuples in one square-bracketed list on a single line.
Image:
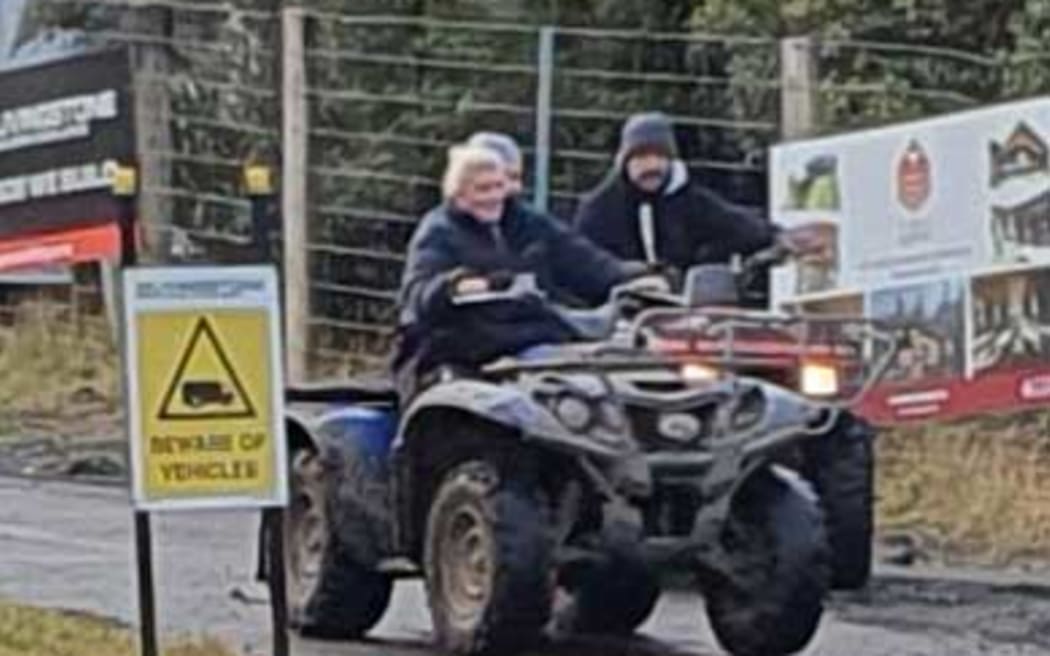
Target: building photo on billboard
[(1011, 321), (931, 319), (927, 375), (1019, 187)]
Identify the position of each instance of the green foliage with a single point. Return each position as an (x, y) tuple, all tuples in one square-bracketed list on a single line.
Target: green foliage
[(389, 98), (946, 54)]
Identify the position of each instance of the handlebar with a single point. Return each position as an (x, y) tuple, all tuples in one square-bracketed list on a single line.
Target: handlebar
[(777, 254), (589, 324), (625, 302), (522, 287)]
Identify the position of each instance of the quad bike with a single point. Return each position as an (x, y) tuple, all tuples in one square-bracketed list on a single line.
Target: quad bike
[(651, 445), (840, 463)]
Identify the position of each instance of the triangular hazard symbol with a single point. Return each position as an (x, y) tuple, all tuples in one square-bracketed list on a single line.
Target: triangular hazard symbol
[(205, 384)]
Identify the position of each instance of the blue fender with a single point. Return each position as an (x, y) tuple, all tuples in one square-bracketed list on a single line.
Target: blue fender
[(355, 443)]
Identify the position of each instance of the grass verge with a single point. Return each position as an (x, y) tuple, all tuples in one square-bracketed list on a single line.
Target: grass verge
[(974, 491), (59, 374), (28, 631)]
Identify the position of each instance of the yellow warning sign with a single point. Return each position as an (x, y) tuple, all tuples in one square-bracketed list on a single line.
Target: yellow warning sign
[(205, 421), (205, 384)]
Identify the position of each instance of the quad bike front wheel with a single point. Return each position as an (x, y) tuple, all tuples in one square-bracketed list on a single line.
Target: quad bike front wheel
[(330, 595), (841, 466), (614, 598), (488, 561), (771, 602)]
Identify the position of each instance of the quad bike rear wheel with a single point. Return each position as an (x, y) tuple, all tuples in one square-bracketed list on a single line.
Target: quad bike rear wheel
[(771, 602), (330, 595), (488, 561), (841, 466)]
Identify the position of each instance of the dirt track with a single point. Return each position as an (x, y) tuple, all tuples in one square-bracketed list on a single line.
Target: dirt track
[(70, 546)]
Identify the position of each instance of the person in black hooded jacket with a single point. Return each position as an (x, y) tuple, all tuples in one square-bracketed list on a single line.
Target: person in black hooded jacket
[(475, 241), (648, 208)]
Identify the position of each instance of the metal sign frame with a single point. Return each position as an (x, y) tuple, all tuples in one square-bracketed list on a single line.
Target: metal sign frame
[(200, 290)]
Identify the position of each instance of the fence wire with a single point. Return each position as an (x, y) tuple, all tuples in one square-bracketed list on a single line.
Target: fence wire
[(417, 86), (389, 94)]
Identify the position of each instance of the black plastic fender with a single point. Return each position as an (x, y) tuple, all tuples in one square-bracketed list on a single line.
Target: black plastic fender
[(507, 406), (509, 409)]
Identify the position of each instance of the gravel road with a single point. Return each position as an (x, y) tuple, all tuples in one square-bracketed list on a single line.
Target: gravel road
[(69, 546)]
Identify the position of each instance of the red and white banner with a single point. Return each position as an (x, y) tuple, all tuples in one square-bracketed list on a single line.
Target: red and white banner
[(950, 398), (65, 247)]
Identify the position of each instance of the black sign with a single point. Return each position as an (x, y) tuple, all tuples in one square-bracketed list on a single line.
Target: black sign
[(63, 127)]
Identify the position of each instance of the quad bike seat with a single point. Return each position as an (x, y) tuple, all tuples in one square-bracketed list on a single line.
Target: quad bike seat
[(369, 389)]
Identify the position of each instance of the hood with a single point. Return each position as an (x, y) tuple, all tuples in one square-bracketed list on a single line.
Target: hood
[(678, 179)]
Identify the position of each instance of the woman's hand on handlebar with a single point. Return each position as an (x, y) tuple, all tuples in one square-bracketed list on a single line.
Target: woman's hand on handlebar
[(465, 282), (652, 276), (649, 282)]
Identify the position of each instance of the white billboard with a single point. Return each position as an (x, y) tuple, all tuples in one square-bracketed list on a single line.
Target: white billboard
[(943, 223), (958, 194)]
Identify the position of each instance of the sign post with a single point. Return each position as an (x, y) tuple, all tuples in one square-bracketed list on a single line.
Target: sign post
[(258, 184), (205, 397), (125, 187)]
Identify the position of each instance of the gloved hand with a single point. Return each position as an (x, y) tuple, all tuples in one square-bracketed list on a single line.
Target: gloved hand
[(649, 282), (650, 277), (465, 282)]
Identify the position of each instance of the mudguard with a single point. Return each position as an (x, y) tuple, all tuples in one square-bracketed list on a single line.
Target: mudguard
[(785, 409), (354, 443), (507, 406)]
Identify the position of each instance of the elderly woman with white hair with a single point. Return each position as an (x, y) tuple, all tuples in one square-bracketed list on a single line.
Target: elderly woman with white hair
[(475, 240), (509, 153)]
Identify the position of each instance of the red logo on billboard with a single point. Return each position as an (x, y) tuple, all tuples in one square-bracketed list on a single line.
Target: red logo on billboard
[(914, 178)]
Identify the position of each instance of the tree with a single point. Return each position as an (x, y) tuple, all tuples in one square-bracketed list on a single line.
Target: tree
[(889, 60)]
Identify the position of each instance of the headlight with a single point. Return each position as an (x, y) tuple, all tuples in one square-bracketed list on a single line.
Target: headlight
[(612, 416), (695, 373), (575, 413), (679, 427), (819, 379)]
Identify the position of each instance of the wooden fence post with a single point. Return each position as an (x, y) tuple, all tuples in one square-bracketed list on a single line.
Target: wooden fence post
[(294, 199), (799, 92)]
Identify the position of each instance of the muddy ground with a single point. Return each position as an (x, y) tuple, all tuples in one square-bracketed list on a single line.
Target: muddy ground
[(70, 546)]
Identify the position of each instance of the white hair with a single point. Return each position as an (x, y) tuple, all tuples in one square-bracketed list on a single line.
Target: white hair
[(464, 162), (503, 144)]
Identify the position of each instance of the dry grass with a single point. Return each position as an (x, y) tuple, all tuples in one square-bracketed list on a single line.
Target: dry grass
[(974, 491), (57, 373), (26, 631)]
